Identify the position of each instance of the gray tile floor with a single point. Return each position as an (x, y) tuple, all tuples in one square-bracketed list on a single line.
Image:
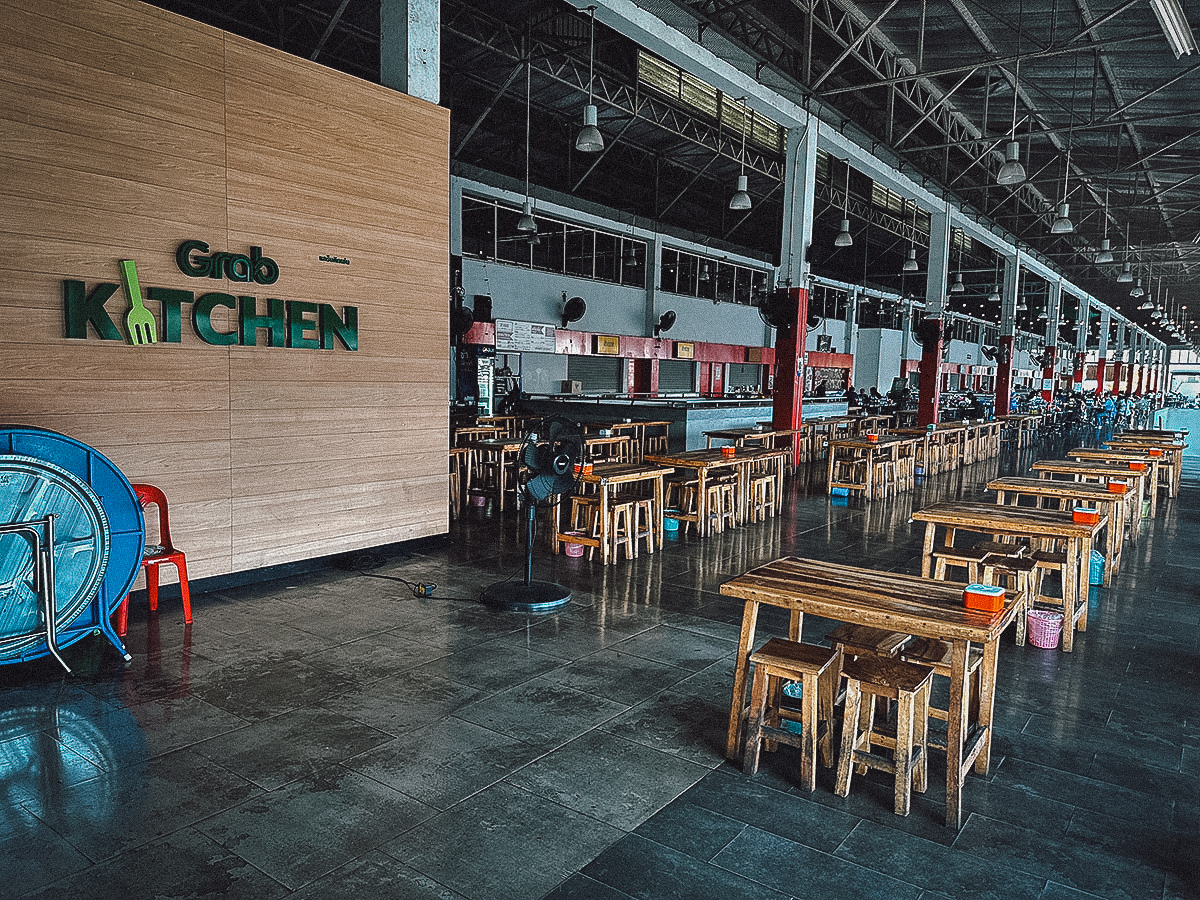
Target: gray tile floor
[(328, 735)]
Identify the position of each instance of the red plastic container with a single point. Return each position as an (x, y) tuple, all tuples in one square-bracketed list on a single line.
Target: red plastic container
[(1118, 487), (1137, 467), (985, 597), (1085, 516)]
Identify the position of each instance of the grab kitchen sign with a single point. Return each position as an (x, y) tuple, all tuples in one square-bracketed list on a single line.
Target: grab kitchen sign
[(298, 324)]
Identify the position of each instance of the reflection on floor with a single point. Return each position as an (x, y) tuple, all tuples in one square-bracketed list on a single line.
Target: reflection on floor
[(331, 735)]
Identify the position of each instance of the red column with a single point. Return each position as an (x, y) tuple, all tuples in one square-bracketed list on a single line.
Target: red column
[(1116, 376), (1051, 355), (1080, 365), (788, 396), (1100, 375), (931, 371), (1004, 369)]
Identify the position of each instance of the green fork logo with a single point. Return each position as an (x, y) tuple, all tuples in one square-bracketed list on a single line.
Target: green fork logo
[(139, 323)]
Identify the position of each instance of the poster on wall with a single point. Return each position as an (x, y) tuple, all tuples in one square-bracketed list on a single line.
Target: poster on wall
[(524, 337)]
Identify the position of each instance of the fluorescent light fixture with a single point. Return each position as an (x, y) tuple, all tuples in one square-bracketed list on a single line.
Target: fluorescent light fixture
[(1175, 26), (1105, 254)]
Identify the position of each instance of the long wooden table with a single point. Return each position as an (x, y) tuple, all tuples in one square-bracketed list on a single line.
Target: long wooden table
[(851, 452), (906, 603), (1127, 462), (1103, 473), (1013, 521), (498, 455), (1171, 451), (1066, 494), (608, 478), (705, 462)]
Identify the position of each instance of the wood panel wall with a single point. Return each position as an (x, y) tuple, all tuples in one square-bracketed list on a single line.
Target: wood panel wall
[(126, 130)]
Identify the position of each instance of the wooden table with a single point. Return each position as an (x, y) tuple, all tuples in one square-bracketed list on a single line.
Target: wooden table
[(899, 451), (1013, 521), (1066, 495), (608, 447), (906, 603), (705, 462), (468, 433), (498, 453), (1128, 461), (608, 479), (1025, 425), (1171, 451), (1102, 473)]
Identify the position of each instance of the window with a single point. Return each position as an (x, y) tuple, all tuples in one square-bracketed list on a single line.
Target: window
[(489, 231), (710, 279)]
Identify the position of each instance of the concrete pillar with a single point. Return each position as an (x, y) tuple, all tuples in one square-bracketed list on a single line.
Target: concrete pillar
[(1102, 358), (1118, 357), (410, 50), (850, 334), (1081, 323), (931, 329), (799, 192), (788, 395), (1008, 331), (1050, 354)]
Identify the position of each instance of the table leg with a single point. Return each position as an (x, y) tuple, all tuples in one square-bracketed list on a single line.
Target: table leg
[(605, 537), (1084, 581), (740, 676), (659, 511), (701, 503), (956, 733), (829, 469), (927, 549), (987, 699), (1070, 591)]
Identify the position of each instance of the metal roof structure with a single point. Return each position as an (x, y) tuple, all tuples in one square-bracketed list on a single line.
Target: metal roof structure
[(1103, 111)]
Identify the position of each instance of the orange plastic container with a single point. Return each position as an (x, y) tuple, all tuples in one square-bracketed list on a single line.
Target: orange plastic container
[(985, 597), (1085, 516), (1118, 487), (728, 451), (1137, 467), (1154, 451), (872, 439)]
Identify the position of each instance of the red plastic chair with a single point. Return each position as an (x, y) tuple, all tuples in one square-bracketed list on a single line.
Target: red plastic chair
[(149, 496)]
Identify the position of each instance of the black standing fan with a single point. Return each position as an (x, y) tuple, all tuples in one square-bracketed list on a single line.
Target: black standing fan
[(545, 468)]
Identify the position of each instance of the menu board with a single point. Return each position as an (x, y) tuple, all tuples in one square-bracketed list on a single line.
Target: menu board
[(524, 337)]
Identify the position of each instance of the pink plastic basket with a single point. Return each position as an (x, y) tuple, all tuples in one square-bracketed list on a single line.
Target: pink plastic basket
[(1045, 628)]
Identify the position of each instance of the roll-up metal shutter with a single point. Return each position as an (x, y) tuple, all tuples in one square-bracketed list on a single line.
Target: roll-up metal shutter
[(597, 374), (743, 375), (676, 376)]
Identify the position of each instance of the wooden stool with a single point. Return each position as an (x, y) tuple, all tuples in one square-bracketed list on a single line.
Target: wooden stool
[(937, 655), (721, 504), (1021, 577), (778, 661), (680, 494), (867, 678), (967, 558), (762, 497), (851, 641), (643, 522)]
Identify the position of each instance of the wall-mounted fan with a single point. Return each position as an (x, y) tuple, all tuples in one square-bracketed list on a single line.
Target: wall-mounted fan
[(927, 332), (461, 317), (778, 309), (989, 353), (665, 322), (545, 470), (572, 310)]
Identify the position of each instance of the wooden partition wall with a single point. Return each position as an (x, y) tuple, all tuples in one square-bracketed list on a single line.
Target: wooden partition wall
[(125, 131)]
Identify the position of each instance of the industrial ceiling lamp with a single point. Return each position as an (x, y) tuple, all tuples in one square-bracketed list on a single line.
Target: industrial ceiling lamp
[(1105, 254), (526, 224), (1012, 172), (1062, 220), (590, 140), (843, 238), (994, 296), (1137, 289), (741, 198), (958, 287), (910, 264), (1175, 26)]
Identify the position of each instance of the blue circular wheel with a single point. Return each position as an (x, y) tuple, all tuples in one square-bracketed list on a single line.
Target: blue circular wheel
[(117, 504), (31, 490)]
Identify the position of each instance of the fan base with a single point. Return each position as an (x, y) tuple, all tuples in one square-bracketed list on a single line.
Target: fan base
[(534, 597)]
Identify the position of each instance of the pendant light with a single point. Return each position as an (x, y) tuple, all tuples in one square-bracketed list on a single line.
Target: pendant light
[(1012, 172), (910, 264), (844, 238), (958, 287), (1137, 289), (994, 296), (1105, 255), (526, 224), (590, 140), (740, 198)]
